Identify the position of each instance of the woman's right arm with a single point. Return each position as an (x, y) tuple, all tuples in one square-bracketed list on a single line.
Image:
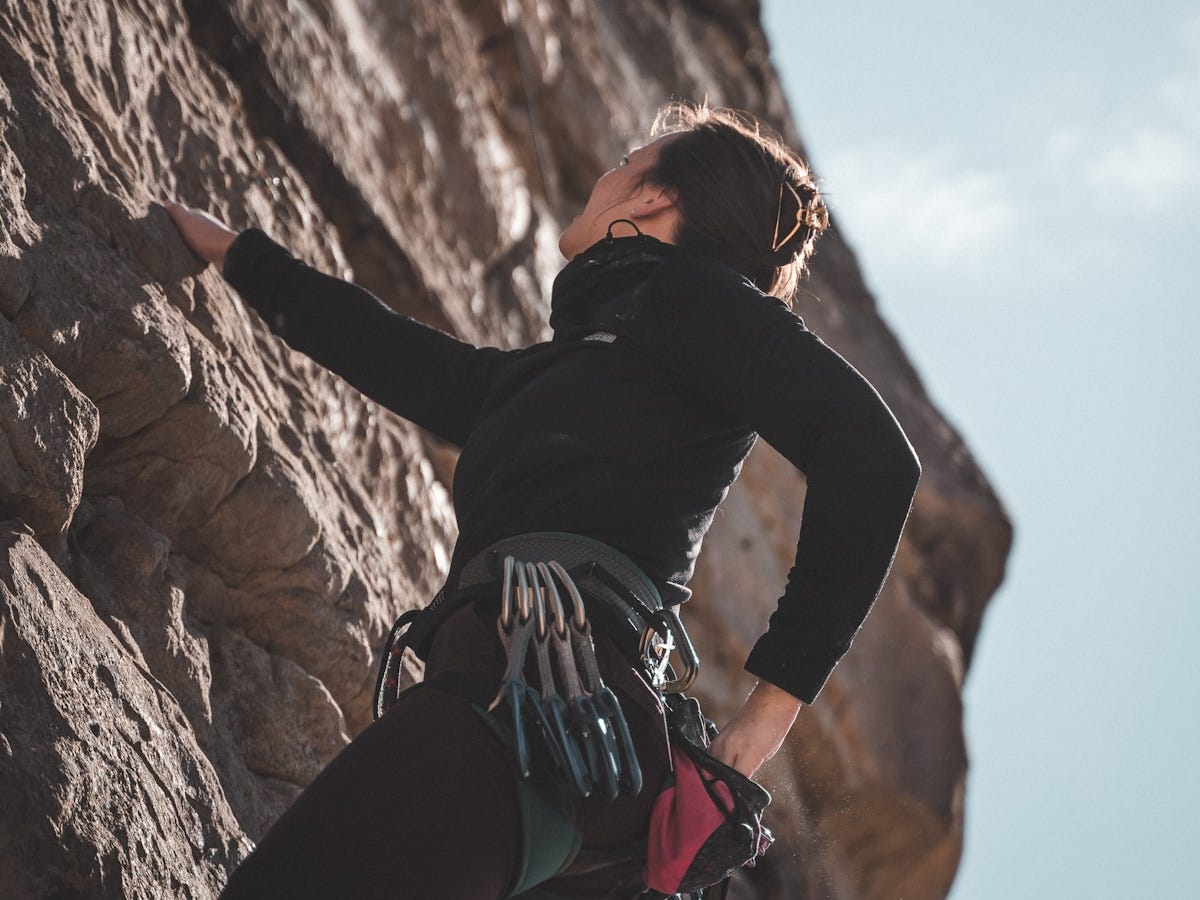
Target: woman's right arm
[(418, 372)]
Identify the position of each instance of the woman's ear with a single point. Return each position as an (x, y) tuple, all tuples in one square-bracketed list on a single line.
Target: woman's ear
[(653, 203)]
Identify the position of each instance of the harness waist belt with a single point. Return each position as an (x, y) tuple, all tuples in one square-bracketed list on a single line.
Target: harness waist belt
[(620, 598)]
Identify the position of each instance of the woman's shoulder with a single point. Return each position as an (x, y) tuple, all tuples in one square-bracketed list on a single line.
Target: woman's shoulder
[(702, 290)]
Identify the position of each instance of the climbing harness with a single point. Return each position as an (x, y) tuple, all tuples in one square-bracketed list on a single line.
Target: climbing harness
[(414, 630), (553, 588), (620, 600), (550, 828)]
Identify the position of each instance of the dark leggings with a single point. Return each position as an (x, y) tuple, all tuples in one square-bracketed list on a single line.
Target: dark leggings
[(423, 803)]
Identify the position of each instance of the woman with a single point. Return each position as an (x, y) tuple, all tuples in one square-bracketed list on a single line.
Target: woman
[(669, 357)]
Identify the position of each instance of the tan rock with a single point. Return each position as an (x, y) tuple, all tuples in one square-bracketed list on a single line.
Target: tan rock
[(106, 793), (47, 428)]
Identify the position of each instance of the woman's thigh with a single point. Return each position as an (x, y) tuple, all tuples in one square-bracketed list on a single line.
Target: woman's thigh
[(422, 804)]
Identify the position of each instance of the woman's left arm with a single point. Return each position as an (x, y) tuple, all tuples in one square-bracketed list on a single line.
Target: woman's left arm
[(751, 355)]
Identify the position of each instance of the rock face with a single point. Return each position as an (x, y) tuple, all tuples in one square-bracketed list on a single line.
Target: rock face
[(204, 537)]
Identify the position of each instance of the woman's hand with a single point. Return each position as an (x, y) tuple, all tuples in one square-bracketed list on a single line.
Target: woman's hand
[(756, 733), (208, 236)]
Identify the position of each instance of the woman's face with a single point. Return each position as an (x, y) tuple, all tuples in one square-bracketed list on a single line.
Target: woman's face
[(616, 195)]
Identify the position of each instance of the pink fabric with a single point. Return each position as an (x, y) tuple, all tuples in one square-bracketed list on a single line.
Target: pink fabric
[(684, 816)]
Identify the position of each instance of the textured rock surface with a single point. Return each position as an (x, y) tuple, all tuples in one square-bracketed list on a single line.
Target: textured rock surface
[(46, 427), (208, 536), (106, 791)]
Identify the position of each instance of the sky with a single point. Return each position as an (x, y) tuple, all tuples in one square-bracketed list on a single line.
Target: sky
[(1020, 182)]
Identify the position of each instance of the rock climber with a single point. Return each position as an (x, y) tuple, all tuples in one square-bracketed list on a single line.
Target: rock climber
[(673, 350)]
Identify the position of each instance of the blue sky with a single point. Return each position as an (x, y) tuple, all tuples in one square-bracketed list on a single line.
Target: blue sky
[(1020, 182)]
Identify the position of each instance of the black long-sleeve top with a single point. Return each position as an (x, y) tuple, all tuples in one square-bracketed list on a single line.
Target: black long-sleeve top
[(630, 425)]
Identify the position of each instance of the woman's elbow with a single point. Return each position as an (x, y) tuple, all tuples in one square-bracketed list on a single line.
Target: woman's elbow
[(913, 463), (901, 467)]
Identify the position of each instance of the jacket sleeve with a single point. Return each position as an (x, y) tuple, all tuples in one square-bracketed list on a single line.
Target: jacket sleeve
[(751, 355), (418, 372)]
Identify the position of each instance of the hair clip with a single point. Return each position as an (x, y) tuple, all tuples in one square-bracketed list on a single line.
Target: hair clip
[(776, 243)]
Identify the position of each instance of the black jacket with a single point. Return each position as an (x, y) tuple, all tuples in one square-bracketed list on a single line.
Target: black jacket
[(631, 424)]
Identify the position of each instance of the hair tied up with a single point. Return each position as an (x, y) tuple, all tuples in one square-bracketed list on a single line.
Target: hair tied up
[(735, 180)]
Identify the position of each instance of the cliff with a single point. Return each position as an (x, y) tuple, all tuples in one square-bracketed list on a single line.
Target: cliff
[(204, 537)]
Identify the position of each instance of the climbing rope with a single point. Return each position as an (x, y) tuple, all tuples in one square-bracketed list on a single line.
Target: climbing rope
[(509, 13)]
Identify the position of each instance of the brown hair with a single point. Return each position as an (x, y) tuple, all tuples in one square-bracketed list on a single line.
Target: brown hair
[(739, 190)]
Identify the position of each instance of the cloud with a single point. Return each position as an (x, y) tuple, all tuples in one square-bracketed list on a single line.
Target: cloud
[(916, 207), (1143, 158), (1181, 97), (1148, 171)]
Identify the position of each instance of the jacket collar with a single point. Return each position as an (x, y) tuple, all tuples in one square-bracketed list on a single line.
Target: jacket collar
[(595, 288)]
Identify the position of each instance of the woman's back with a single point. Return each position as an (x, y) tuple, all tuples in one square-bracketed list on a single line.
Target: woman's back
[(594, 433)]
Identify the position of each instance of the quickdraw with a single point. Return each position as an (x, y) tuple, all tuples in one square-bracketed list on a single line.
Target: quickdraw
[(578, 715)]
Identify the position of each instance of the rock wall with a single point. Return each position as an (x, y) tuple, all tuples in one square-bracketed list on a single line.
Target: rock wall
[(204, 537)]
